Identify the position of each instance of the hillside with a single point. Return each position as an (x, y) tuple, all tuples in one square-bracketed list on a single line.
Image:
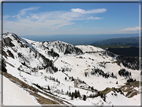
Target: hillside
[(18, 96), (118, 42), (67, 74), (131, 51)]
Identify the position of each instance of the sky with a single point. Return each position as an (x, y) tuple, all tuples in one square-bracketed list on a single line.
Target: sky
[(70, 18)]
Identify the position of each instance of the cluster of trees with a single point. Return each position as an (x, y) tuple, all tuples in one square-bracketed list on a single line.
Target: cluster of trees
[(70, 78), (129, 61), (73, 95), (55, 80), (42, 88), (53, 54), (124, 73), (103, 96), (101, 72), (92, 89), (131, 80), (66, 69)]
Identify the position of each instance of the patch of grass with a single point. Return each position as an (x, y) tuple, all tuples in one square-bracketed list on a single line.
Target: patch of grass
[(107, 90)]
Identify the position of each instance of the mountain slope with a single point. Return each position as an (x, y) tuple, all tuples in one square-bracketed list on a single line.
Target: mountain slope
[(66, 72), (13, 95)]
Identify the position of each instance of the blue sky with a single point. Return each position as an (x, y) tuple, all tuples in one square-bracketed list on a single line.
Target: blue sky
[(70, 18)]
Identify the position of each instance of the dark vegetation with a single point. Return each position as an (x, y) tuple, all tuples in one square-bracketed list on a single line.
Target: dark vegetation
[(70, 50), (130, 51), (73, 95), (10, 54), (118, 42), (52, 53), (129, 62), (124, 73), (3, 66), (101, 73), (121, 46)]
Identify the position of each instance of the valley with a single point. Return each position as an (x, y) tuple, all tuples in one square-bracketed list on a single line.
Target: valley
[(64, 74)]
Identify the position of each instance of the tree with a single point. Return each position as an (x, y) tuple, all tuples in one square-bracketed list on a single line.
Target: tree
[(84, 97), (72, 95), (48, 88), (67, 93), (92, 88), (78, 94), (3, 66), (112, 74)]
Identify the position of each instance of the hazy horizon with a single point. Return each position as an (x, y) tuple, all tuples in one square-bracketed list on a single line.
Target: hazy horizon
[(79, 39)]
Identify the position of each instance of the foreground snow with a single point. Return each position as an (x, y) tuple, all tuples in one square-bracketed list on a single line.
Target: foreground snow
[(13, 95)]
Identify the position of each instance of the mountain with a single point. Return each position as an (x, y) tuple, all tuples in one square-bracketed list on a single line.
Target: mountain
[(118, 42), (60, 73)]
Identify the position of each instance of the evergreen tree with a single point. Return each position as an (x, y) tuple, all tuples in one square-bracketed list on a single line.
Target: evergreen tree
[(69, 94), (72, 95), (78, 94), (3, 66), (84, 97), (48, 88)]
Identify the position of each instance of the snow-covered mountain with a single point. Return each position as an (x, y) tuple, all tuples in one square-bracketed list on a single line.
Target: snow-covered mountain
[(71, 75)]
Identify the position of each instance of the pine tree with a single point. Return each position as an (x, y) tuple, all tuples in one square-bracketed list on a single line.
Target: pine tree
[(48, 88), (78, 94), (84, 97), (67, 92), (72, 95)]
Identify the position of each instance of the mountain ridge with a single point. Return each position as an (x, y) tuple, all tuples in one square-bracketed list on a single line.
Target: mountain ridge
[(75, 74)]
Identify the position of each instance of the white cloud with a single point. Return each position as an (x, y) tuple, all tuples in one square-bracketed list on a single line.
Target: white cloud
[(94, 18), (132, 29), (44, 23), (23, 11), (78, 10), (129, 29), (34, 16)]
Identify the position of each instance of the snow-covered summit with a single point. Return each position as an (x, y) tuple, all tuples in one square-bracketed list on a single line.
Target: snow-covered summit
[(58, 47), (12, 36)]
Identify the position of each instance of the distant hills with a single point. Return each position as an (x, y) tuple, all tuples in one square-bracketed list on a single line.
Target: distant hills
[(121, 46), (82, 39), (118, 42)]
